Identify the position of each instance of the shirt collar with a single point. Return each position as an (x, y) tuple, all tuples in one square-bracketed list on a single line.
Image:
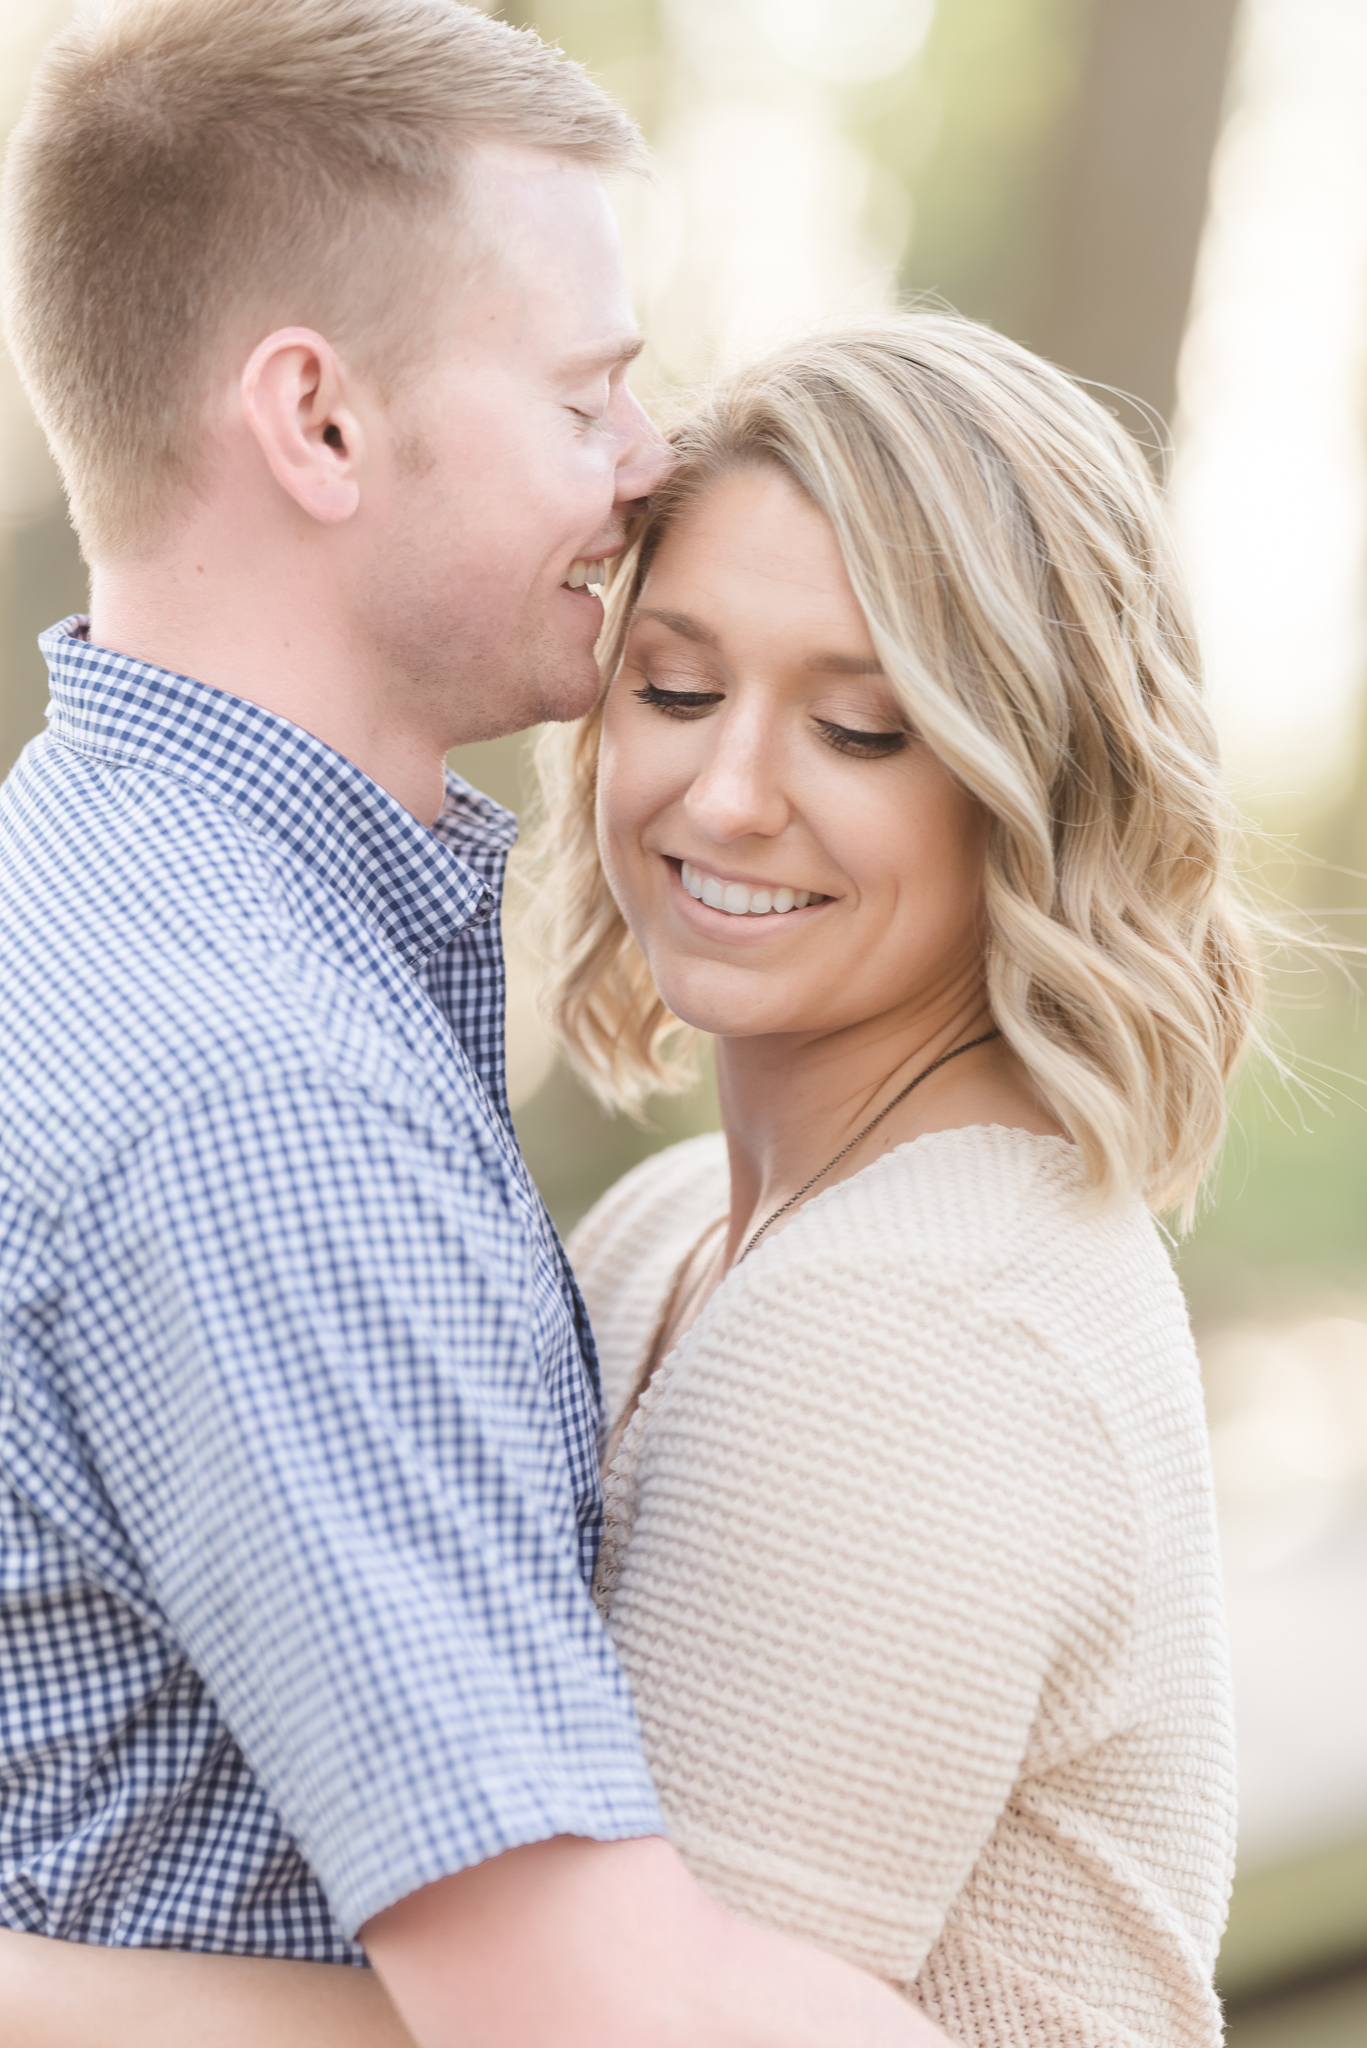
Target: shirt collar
[(416, 886)]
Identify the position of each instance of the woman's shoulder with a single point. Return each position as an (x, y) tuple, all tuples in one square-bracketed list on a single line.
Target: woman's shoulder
[(985, 1229), (959, 1314), (984, 1201)]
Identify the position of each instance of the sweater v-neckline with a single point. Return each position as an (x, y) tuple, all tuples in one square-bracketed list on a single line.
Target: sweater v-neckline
[(655, 1360)]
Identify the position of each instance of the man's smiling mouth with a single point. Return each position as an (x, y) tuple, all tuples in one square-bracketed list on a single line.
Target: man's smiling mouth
[(586, 575), (737, 900)]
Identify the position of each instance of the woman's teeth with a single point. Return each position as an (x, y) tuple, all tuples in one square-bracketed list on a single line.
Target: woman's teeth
[(585, 575), (738, 901)]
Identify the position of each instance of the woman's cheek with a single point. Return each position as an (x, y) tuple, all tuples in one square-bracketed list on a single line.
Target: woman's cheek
[(619, 847), (640, 775)]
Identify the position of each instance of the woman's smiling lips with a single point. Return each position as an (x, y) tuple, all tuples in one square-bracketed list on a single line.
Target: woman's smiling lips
[(725, 907)]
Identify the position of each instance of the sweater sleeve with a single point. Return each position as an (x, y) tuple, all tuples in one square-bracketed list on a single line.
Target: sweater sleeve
[(881, 1548)]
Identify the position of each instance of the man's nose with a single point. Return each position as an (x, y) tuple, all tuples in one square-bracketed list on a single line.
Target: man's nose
[(646, 457)]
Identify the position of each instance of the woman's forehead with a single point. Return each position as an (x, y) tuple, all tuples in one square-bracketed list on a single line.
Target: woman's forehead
[(753, 529)]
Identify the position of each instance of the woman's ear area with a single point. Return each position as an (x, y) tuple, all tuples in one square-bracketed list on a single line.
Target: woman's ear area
[(294, 392)]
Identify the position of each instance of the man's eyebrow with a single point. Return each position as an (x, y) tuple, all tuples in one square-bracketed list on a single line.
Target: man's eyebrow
[(608, 355), (680, 622)]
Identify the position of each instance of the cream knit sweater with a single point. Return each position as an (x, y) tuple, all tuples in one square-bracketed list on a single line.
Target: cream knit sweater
[(911, 1562)]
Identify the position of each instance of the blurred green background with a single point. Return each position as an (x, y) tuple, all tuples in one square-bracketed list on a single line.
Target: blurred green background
[(1169, 197)]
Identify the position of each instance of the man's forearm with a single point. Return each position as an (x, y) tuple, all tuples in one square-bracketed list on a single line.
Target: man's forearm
[(613, 1945), (70, 1994)]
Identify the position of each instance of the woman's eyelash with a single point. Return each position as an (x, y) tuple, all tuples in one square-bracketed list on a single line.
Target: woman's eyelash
[(845, 739), (677, 703), (871, 745)]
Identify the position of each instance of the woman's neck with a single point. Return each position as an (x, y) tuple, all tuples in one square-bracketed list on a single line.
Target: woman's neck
[(789, 1104)]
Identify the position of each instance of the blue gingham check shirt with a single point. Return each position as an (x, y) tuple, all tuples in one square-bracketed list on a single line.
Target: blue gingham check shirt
[(298, 1417)]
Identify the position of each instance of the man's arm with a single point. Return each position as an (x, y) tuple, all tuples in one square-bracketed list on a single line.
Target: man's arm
[(564, 1943), (72, 1994), (344, 1475), (613, 1945)]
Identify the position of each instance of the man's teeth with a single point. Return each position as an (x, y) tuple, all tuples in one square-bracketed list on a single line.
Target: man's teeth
[(737, 900), (584, 574)]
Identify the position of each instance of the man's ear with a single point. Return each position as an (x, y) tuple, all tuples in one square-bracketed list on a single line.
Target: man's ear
[(293, 391)]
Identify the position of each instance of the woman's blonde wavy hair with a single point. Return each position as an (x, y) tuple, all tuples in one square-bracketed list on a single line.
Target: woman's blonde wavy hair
[(1007, 545)]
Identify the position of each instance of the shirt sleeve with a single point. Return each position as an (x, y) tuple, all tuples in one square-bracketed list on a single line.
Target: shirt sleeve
[(305, 1365), (862, 1549)]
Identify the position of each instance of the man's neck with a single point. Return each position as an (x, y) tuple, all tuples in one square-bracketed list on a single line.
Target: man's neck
[(274, 643)]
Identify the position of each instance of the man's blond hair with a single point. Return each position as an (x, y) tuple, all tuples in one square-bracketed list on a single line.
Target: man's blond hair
[(190, 174)]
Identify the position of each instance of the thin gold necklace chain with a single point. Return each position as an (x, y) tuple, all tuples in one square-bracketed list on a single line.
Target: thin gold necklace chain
[(860, 1136)]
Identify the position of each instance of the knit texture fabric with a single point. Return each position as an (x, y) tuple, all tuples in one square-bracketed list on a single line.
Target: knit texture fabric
[(910, 1557)]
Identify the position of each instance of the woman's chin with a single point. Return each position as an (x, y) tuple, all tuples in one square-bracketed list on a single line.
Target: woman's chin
[(724, 1012)]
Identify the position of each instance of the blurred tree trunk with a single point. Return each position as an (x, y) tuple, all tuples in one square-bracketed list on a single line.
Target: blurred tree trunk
[(1133, 195), (1062, 194)]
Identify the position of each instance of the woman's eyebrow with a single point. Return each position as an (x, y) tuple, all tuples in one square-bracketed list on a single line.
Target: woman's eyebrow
[(843, 665), (689, 628), (681, 623)]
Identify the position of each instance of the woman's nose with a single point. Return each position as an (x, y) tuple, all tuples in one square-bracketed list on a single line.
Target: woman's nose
[(738, 791)]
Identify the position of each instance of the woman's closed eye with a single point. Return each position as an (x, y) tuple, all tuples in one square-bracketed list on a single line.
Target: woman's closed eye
[(678, 703), (867, 746)]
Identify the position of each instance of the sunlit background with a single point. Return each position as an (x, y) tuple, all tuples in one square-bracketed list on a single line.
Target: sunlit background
[(1169, 197)]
